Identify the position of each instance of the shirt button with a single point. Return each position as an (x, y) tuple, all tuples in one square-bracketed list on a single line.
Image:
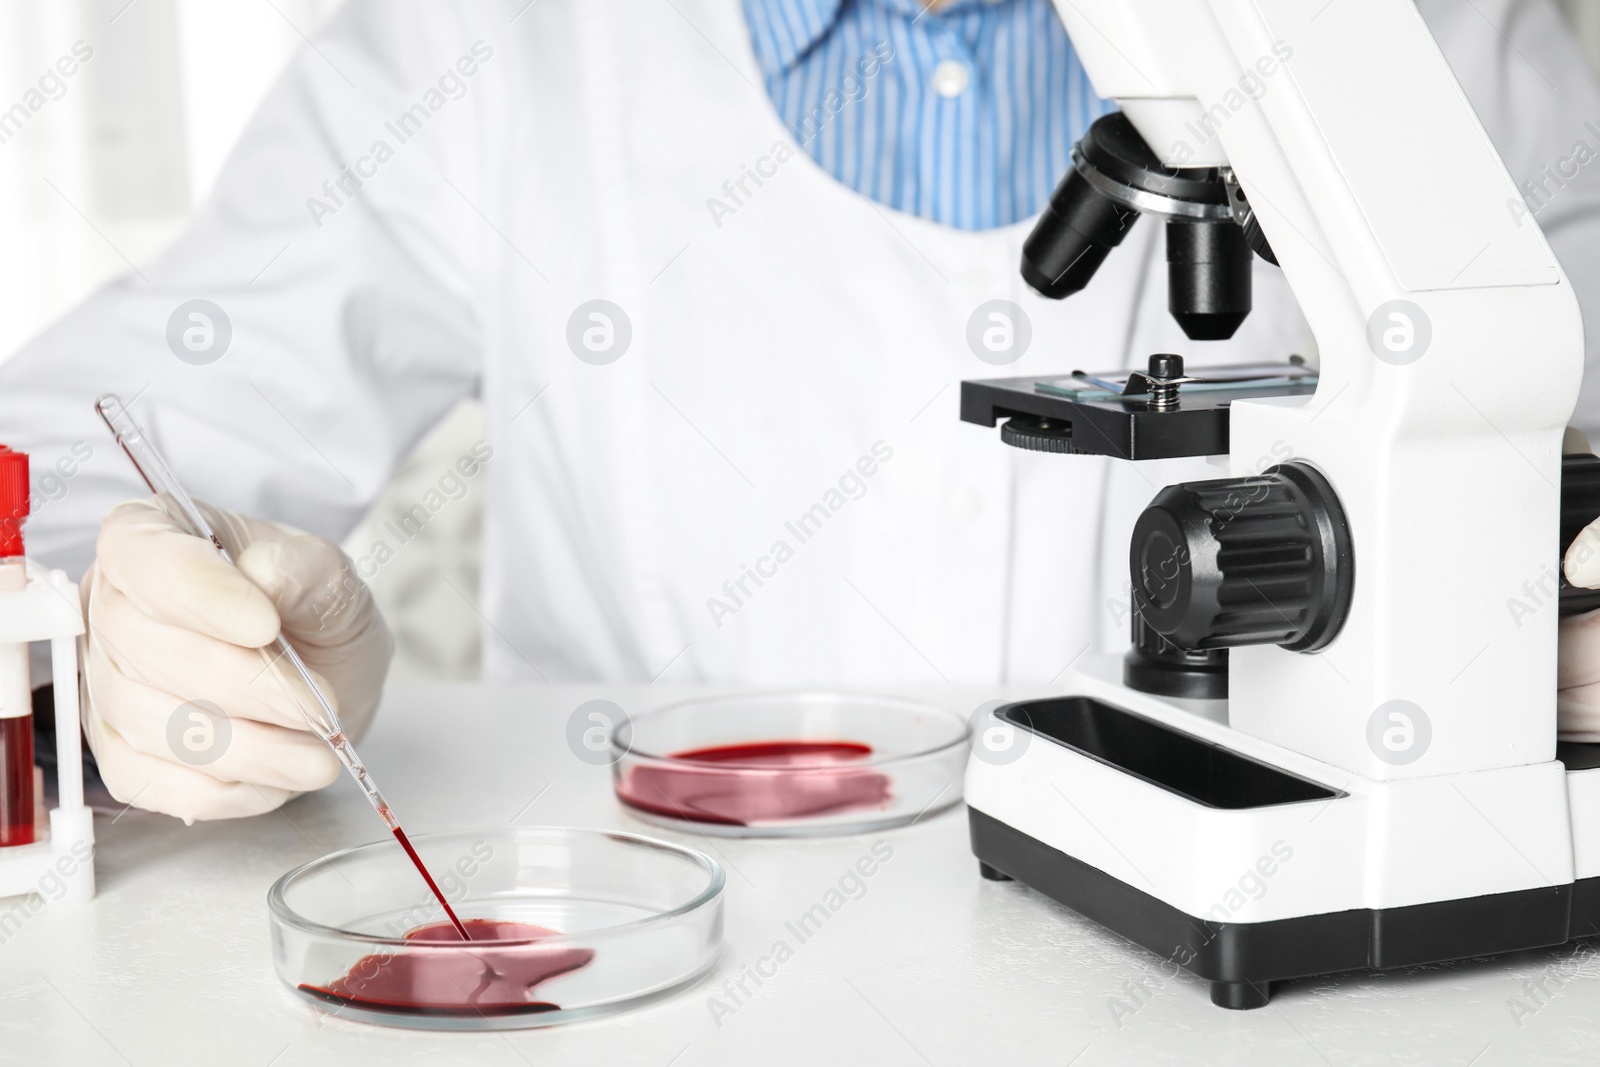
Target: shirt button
[(951, 78)]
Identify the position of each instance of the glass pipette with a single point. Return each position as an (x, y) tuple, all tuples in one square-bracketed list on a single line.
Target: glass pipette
[(322, 718)]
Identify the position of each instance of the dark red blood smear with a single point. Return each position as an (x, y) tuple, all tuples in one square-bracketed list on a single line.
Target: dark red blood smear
[(757, 782), (477, 979)]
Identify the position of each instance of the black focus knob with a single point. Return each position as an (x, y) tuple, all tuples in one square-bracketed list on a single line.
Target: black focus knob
[(1038, 434), (1245, 561)]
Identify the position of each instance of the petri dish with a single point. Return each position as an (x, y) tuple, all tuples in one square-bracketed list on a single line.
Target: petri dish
[(789, 764), (567, 924)]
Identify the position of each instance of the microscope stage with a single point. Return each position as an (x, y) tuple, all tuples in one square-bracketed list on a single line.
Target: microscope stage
[(1112, 414)]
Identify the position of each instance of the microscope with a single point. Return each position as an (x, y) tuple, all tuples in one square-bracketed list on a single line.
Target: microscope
[(1332, 745)]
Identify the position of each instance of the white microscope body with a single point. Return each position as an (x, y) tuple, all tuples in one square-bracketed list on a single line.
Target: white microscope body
[(1441, 826)]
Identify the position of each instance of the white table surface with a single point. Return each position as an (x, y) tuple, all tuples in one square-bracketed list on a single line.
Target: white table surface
[(933, 966)]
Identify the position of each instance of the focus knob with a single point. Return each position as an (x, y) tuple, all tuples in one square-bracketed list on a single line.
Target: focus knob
[(1038, 434), (1264, 560)]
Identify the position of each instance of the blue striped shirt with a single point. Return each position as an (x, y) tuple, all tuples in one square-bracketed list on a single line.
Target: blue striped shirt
[(966, 116)]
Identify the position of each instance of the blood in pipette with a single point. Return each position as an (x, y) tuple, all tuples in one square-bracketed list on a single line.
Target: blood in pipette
[(759, 781), (16, 781), (496, 975), (405, 843)]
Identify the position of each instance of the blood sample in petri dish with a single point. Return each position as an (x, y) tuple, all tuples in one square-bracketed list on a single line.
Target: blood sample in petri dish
[(758, 781), (496, 973)]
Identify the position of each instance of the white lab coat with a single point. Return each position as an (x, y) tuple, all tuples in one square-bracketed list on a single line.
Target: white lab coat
[(797, 355)]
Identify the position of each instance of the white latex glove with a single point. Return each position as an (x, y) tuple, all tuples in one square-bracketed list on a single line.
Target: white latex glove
[(1578, 661), (170, 623)]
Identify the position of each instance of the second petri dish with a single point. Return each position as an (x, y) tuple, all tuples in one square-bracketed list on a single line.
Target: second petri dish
[(790, 764)]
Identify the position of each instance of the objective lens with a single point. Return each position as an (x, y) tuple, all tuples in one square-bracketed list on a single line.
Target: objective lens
[(1209, 280), (1078, 229)]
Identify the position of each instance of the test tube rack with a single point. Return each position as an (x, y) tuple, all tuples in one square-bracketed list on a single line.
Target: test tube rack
[(48, 609)]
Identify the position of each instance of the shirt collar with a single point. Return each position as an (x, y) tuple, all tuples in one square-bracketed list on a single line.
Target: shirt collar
[(784, 30)]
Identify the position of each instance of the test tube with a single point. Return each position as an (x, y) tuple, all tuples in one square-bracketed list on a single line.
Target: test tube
[(16, 689)]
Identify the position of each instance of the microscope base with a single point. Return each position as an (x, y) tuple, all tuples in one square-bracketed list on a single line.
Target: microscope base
[(1245, 863), (1242, 960)]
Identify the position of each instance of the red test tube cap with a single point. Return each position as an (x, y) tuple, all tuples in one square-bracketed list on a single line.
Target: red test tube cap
[(13, 500)]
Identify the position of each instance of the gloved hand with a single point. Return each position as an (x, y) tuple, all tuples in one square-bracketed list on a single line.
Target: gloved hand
[(1578, 659), (170, 622)]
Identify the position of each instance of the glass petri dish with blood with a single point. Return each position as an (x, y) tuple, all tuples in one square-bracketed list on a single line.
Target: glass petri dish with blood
[(790, 764), (565, 925)]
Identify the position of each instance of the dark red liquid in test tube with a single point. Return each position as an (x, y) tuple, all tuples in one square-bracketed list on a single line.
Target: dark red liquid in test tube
[(16, 701), (16, 781)]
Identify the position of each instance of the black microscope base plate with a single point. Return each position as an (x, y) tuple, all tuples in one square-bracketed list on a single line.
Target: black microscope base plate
[(1241, 960)]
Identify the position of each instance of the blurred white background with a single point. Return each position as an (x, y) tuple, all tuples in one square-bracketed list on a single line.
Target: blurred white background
[(106, 171)]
